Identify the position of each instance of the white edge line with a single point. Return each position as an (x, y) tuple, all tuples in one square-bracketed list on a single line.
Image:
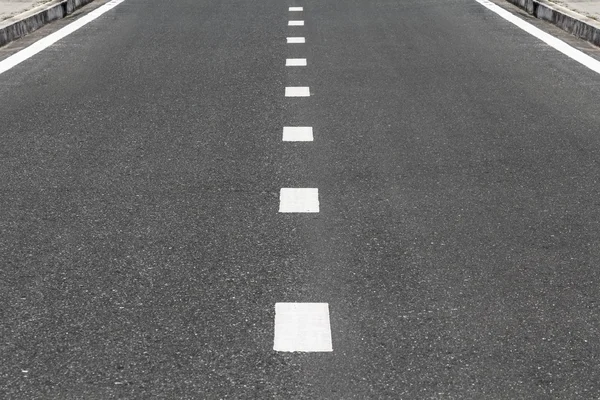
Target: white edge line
[(49, 40), (550, 40)]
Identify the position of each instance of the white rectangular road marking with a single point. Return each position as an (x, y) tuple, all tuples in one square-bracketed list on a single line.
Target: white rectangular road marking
[(49, 40), (299, 200), (296, 40), (302, 327), (297, 134), (558, 44), (296, 23), (295, 62), (297, 91), (296, 9)]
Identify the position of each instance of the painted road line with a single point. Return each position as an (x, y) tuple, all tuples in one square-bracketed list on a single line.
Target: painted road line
[(295, 62), (552, 41), (49, 40), (302, 327), (297, 91), (297, 134), (299, 200), (296, 40), (296, 8), (296, 23)]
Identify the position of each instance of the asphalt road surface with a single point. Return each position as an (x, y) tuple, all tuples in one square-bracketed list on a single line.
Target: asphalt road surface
[(456, 247)]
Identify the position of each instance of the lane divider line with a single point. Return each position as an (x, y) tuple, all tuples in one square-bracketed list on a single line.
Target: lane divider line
[(550, 40), (297, 134), (296, 40), (299, 200), (295, 62), (302, 327), (296, 23), (296, 8), (49, 40), (297, 91)]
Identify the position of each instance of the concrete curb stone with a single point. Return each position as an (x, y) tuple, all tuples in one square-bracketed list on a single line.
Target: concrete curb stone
[(25, 23), (570, 21)]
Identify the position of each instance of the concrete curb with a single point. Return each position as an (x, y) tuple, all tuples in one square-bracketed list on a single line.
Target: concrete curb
[(27, 22), (570, 21)]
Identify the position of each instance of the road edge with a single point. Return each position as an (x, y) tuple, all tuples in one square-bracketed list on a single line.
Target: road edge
[(29, 21), (568, 20)]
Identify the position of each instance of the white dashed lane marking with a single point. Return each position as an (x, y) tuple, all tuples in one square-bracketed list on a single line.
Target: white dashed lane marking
[(295, 62), (297, 91), (297, 134), (299, 200), (302, 327)]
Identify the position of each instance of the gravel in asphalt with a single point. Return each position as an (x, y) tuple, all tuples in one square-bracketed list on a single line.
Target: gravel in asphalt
[(455, 244)]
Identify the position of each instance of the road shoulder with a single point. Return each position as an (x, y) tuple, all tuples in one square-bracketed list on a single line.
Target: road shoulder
[(25, 23), (568, 20)]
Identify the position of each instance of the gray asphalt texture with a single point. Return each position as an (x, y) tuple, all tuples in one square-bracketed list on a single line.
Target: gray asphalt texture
[(458, 242)]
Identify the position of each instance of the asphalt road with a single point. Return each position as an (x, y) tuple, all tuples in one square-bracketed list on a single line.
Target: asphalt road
[(458, 237)]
